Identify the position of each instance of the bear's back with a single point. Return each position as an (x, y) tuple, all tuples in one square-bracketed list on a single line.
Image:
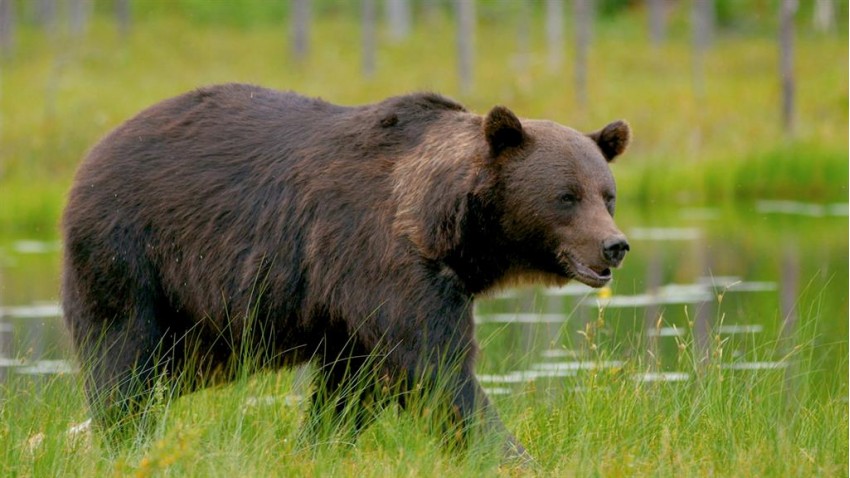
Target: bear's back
[(233, 174)]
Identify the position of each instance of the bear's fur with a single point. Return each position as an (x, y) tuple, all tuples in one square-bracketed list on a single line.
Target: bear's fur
[(236, 216)]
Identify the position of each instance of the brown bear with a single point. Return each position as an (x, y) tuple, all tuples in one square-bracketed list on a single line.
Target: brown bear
[(235, 217)]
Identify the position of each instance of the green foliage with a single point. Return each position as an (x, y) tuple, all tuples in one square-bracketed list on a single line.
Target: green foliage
[(792, 171), (239, 13), (610, 8), (58, 96), (601, 421)]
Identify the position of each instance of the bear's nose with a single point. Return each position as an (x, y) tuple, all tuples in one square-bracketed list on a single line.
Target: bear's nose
[(614, 249)]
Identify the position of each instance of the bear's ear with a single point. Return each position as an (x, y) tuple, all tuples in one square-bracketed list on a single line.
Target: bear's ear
[(503, 130), (612, 139)]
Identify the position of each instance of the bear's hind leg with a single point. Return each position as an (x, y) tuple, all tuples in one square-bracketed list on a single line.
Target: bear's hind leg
[(125, 356)]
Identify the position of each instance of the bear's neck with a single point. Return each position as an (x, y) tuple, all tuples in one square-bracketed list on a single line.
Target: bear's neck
[(482, 257)]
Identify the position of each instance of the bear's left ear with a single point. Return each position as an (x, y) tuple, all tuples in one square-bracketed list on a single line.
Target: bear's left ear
[(612, 139), (503, 130)]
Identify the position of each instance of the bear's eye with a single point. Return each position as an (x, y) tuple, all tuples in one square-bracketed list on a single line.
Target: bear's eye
[(569, 199), (610, 202)]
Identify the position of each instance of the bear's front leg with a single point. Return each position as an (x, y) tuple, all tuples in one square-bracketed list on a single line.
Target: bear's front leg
[(473, 408), (423, 333), (437, 373)]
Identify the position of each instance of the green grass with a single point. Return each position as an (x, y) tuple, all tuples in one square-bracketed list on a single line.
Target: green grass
[(720, 422), (59, 95)]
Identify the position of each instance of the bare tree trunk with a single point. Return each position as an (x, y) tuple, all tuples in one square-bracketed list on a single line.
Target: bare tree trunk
[(7, 27), (465, 42), (79, 13), (657, 21), (45, 14), (521, 62), (523, 37), (368, 24), (123, 17), (786, 55), (398, 15), (555, 33), (823, 17), (702, 13), (583, 13), (300, 23), (702, 21)]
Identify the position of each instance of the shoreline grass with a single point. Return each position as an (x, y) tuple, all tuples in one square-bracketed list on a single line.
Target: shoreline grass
[(720, 148), (720, 422), (798, 172)]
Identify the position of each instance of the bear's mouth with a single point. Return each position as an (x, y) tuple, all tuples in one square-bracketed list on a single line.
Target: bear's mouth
[(584, 274)]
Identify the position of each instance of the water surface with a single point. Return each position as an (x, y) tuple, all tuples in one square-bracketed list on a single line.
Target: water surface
[(752, 277)]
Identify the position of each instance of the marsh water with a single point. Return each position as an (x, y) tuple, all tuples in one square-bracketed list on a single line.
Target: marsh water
[(756, 278)]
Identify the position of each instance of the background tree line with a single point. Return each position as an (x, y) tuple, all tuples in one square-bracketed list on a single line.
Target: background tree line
[(565, 22)]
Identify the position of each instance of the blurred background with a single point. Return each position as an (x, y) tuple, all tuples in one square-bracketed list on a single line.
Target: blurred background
[(730, 100), (735, 185)]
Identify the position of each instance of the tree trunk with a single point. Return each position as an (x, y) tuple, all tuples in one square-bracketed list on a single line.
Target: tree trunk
[(657, 21), (555, 33), (300, 23), (702, 16), (368, 36), (786, 55), (123, 16), (79, 13), (823, 17), (465, 42), (7, 27), (702, 24), (523, 60), (398, 16), (583, 13), (45, 14)]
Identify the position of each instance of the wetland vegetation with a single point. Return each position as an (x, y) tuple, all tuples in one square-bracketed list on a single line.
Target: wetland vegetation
[(720, 348)]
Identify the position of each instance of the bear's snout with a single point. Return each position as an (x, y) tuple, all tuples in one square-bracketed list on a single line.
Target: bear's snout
[(614, 249)]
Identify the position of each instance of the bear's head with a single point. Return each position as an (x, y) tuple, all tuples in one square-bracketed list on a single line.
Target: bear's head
[(558, 195)]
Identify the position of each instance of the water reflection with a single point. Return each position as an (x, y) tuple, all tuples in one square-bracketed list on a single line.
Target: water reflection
[(34, 311), (754, 365), (664, 234), (35, 247), (662, 377), (43, 367), (801, 208), (698, 279), (547, 370), (696, 276)]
